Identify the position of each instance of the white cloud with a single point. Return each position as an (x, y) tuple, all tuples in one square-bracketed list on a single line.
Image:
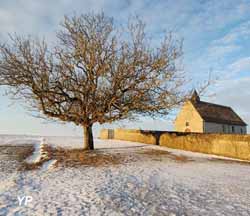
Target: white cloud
[(214, 15), (241, 65), (235, 93), (42, 17), (239, 33), (220, 51)]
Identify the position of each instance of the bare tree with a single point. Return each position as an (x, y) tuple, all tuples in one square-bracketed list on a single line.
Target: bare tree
[(95, 73)]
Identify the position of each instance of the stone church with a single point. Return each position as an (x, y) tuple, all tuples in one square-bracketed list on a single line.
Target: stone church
[(204, 117)]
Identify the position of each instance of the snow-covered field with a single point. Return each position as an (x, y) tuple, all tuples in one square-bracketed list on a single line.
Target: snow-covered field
[(146, 180)]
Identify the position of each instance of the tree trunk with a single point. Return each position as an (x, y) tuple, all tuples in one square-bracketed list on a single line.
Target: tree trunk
[(88, 143)]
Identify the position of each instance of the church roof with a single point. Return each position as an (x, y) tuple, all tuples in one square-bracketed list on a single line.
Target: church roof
[(216, 113)]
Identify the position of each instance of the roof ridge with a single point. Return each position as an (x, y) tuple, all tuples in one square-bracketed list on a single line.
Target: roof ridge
[(215, 104)]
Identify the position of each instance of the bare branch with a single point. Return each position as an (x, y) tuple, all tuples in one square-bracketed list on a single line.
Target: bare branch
[(94, 74)]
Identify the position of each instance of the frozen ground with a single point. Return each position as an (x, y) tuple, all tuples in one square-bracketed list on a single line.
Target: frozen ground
[(146, 180)]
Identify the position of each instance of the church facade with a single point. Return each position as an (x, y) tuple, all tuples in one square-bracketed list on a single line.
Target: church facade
[(203, 117)]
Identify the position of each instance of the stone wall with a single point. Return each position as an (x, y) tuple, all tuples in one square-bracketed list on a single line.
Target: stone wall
[(229, 145)]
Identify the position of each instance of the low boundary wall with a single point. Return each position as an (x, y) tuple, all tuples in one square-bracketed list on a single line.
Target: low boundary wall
[(228, 145)]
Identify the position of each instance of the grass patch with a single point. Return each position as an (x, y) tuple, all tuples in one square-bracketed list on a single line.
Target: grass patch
[(18, 153), (78, 157), (231, 161), (95, 158), (160, 155)]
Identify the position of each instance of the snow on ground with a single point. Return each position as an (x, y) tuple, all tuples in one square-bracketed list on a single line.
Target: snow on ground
[(152, 180), (37, 154)]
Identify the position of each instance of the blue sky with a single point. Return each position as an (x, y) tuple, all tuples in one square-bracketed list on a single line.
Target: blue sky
[(216, 38)]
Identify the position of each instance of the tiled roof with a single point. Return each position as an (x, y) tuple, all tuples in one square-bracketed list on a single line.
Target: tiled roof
[(217, 113)]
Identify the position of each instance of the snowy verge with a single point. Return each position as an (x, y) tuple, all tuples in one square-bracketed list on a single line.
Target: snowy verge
[(48, 165), (39, 155)]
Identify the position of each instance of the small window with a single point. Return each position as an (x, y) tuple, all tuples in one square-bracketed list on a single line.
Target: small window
[(187, 124), (233, 129), (223, 128), (241, 131)]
